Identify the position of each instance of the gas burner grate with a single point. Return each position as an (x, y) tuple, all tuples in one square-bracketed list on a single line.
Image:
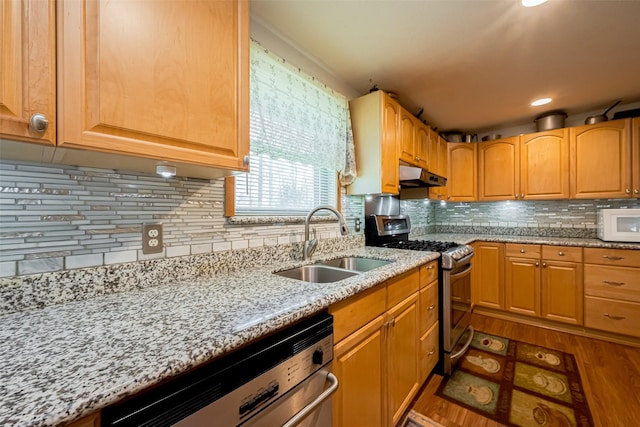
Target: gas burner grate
[(422, 245)]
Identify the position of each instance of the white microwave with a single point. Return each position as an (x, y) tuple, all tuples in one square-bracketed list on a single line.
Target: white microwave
[(619, 225)]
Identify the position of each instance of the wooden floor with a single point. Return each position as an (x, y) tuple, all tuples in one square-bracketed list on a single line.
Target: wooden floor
[(610, 375)]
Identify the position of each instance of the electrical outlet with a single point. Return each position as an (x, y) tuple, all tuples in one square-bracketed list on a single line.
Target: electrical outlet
[(152, 238), (357, 224)]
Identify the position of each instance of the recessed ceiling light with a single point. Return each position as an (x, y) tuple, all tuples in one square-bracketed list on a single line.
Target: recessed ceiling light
[(541, 101), (532, 3)]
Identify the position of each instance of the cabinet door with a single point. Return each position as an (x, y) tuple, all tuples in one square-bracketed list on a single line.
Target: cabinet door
[(358, 363), (407, 146), (438, 163), (562, 291), (164, 80), (462, 183), (601, 160), (403, 362), (544, 165), (635, 156), (389, 160), (422, 146), (523, 286), (487, 277), (498, 169), (27, 69)]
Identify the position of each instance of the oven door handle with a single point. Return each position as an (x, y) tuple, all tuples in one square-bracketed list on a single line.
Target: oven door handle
[(464, 272), (297, 418), (466, 345)]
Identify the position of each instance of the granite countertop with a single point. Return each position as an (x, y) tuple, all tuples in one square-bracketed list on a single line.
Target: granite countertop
[(65, 361), (540, 240)]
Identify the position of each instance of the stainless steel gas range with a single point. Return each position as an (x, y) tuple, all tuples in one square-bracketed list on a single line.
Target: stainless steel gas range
[(454, 274)]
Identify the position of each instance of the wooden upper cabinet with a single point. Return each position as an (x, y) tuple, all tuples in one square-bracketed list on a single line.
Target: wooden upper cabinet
[(437, 163), (635, 156), (414, 140), (601, 164), (544, 165), (498, 169), (164, 80), (462, 183), (375, 118), (27, 69), (422, 145), (407, 145)]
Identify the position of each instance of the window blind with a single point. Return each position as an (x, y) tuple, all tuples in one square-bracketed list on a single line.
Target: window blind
[(298, 132)]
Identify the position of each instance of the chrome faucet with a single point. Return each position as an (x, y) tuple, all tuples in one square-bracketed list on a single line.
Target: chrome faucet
[(310, 245)]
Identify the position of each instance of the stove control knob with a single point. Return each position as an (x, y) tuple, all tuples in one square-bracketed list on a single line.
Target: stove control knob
[(317, 357)]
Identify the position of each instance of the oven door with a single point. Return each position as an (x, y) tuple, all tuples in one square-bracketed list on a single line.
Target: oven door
[(458, 306)]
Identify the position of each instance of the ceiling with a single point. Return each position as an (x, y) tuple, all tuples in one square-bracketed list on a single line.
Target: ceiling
[(472, 65)]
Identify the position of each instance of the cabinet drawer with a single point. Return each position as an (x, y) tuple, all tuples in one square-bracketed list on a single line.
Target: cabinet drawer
[(522, 251), (401, 287), (428, 273), (562, 253), (428, 307), (429, 352), (611, 315), (624, 257), (355, 312), (612, 282)]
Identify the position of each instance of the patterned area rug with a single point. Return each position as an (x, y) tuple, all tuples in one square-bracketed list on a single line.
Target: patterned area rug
[(414, 419), (518, 384)]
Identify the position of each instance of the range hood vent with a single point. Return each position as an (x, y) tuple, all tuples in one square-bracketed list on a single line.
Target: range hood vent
[(413, 177)]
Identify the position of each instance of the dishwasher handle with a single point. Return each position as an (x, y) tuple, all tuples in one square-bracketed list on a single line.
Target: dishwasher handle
[(297, 418)]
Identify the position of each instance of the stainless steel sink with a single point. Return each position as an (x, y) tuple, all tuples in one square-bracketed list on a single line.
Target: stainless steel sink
[(360, 264), (317, 273)]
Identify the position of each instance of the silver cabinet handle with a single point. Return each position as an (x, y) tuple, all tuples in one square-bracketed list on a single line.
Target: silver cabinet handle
[(628, 191), (432, 352), (521, 251), (430, 267), (560, 253), (333, 381), (516, 196), (522, 195), (246, 160), (537, 264), (613, 316), (613, 283), (544, 265), (612, 258), (38, 123), (431, 307), (393, 322), (636, 191)]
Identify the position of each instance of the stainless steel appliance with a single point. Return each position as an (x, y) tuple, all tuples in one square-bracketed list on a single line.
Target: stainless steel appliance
[(283, 380), (454, 275)]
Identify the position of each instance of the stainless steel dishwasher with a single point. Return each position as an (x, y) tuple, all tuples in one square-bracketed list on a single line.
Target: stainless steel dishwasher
[(282, 380)]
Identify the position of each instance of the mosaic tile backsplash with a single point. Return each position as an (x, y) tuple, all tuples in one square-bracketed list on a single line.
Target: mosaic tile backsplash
[(55, 218), (58, 218), (553, 218)]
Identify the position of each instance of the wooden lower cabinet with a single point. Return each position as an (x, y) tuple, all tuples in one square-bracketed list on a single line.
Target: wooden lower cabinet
[(544, 281), (358, 363), (402, 362), (379, 361), (487, 277), (92, 420), (612, 290)]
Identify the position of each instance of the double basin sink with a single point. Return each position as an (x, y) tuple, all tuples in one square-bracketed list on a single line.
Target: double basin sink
[(333, 270)]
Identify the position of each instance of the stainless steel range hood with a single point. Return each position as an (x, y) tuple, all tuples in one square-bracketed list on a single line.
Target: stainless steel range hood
[(414, 177), (415, 182)]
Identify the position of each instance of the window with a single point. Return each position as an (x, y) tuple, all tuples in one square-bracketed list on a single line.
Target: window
[(300, 131)]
